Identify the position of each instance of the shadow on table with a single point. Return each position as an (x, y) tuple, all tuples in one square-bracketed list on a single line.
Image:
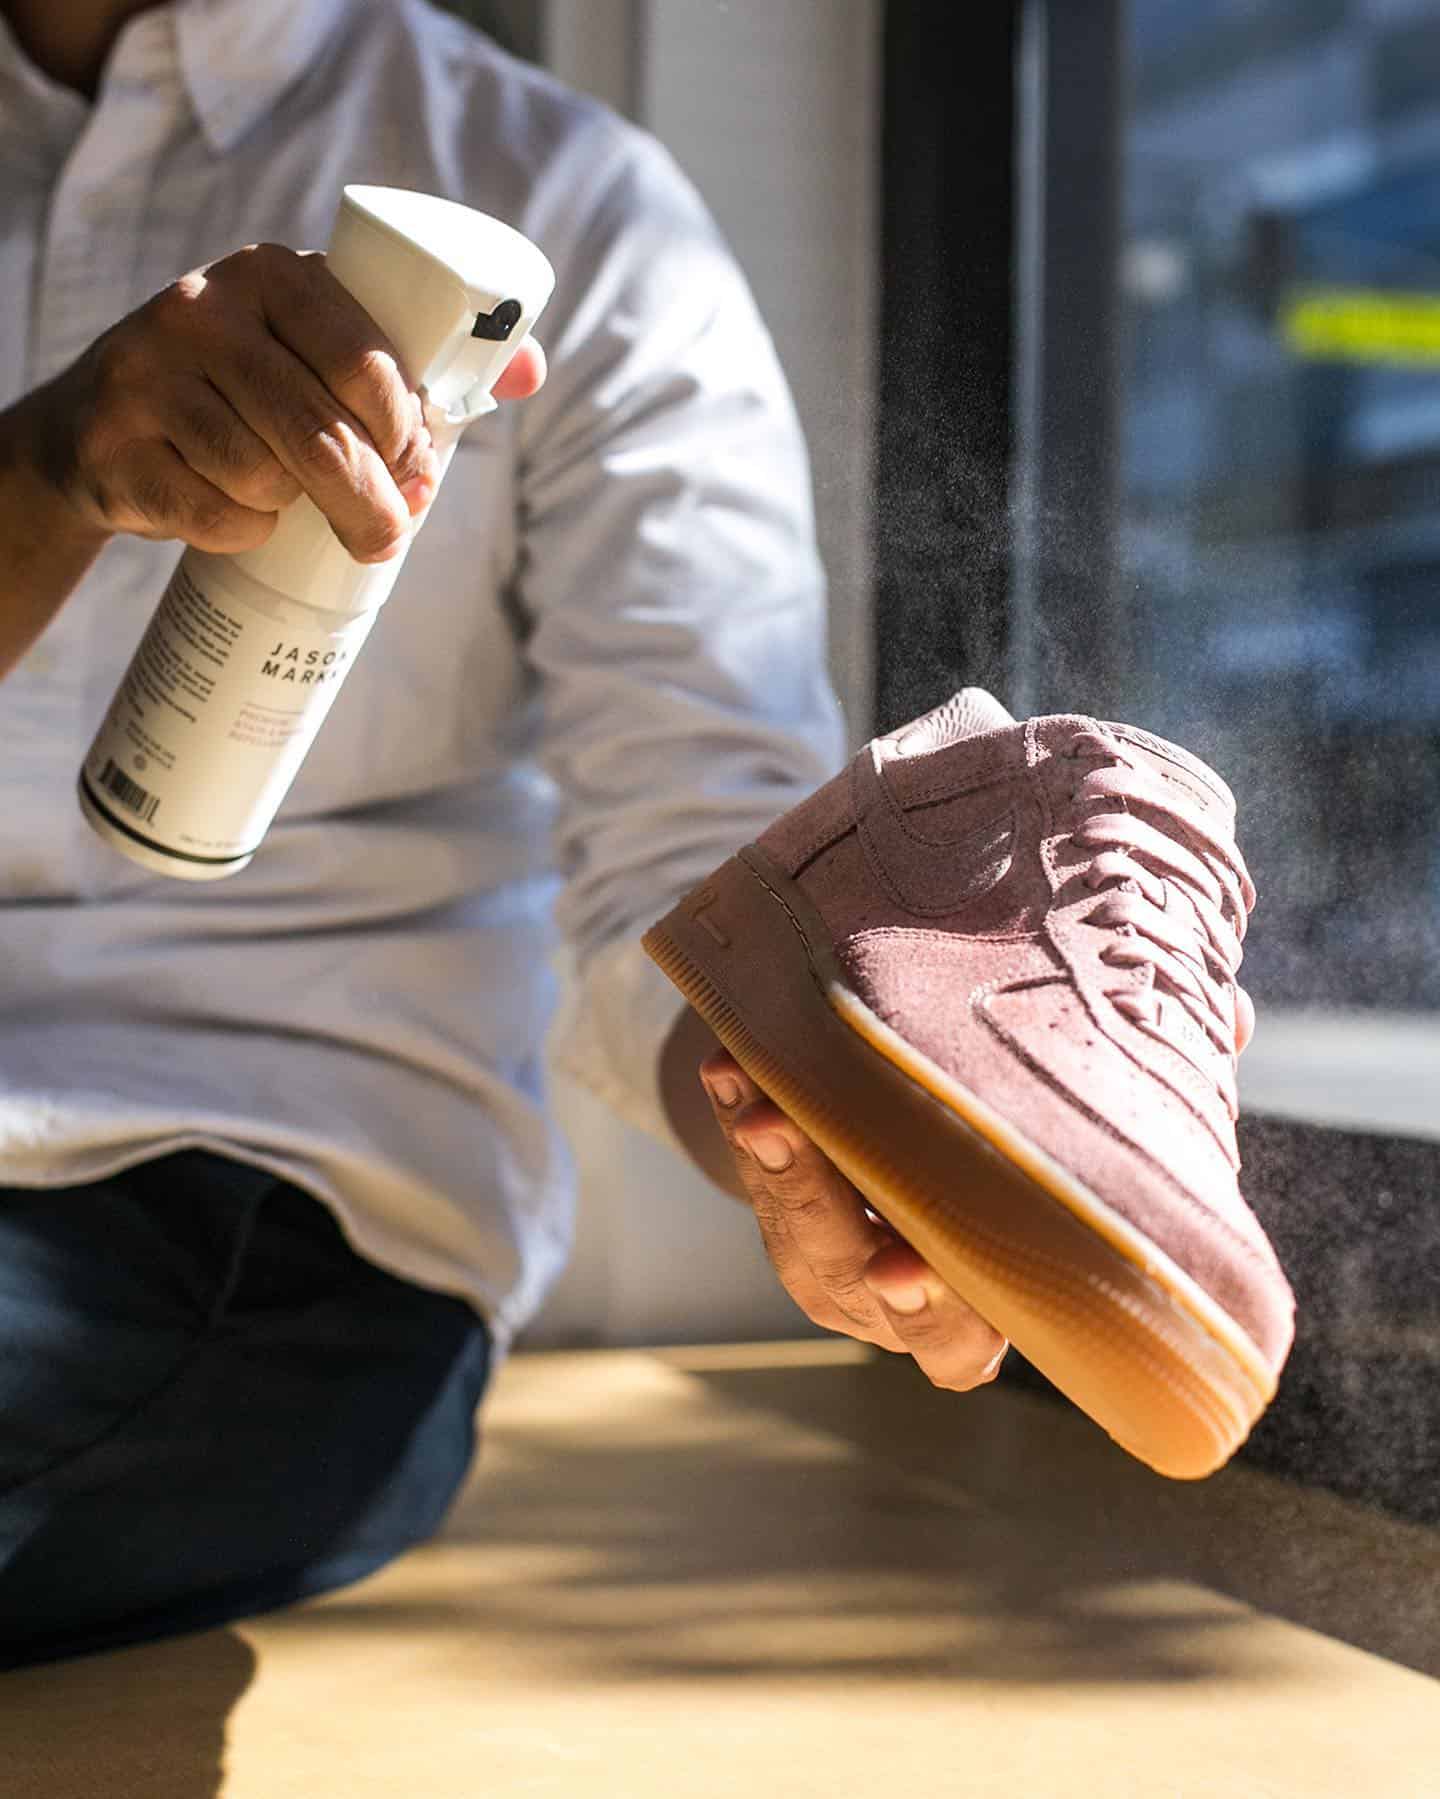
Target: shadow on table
[(996, 1535), (1348, 1570), (147, 1722), (843, 1522), (743, 1516)]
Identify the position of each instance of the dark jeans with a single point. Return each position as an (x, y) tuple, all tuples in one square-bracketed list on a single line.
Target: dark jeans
[(210, 1406)]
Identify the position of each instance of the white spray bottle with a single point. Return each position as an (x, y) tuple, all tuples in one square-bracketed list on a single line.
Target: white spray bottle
[(210, 724)]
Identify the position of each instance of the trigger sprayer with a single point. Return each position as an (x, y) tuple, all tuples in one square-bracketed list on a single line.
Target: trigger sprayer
[(245, 653)]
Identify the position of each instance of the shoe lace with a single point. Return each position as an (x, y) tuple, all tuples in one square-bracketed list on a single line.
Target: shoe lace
[(1142, 872)]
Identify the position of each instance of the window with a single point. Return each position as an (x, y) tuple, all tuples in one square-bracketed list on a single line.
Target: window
[(1278, 544)]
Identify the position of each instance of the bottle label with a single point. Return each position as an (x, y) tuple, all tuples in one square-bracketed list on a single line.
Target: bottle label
[(213, 719)]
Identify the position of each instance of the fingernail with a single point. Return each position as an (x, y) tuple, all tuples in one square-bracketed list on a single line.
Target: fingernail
[(904, 1299), (722, 1090), (773, 1153)]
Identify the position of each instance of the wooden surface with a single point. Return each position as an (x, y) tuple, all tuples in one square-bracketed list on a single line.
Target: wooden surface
[(792, 1570)]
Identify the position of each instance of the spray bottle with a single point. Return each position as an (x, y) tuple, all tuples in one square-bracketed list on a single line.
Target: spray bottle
[(245, 653)]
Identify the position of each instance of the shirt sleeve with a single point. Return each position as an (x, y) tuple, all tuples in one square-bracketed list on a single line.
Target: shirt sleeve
[(674, 598)]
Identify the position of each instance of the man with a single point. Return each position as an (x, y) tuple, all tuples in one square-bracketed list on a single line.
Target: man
[(278, 1185)]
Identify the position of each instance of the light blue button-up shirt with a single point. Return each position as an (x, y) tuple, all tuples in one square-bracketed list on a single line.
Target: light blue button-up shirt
[(601, 670)]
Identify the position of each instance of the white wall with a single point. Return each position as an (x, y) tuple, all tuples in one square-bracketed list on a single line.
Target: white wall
[(772, 108)]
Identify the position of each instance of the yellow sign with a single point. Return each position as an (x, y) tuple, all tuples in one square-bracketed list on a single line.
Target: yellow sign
[(1356, 324)]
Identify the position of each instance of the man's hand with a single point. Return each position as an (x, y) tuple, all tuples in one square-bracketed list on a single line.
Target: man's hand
[(231, 392), (843, 1269)]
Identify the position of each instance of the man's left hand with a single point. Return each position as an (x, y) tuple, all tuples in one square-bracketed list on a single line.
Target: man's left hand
[(844, 1269)]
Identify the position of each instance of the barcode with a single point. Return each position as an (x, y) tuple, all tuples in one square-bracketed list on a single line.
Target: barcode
[(130, 793)]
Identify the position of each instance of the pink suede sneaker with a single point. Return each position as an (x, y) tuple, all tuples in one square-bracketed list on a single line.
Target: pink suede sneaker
[(991, 971)]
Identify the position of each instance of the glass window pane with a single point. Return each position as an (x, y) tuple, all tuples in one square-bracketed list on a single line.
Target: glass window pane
[(1280, 476)]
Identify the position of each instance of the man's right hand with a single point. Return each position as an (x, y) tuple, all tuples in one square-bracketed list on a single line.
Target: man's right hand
[(231, 392)]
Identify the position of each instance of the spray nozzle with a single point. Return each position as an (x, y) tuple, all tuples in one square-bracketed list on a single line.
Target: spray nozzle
[(495, 327), (454, 291)]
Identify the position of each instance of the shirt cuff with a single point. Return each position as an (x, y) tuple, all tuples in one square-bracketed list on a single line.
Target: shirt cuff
[(613, 1023)]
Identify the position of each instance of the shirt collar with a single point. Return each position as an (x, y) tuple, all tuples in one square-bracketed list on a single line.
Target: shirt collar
[(235, 59), (39, 119), (238, 56)]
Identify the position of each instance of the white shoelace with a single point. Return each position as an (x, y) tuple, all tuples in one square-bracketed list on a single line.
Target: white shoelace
[(1193, 953)]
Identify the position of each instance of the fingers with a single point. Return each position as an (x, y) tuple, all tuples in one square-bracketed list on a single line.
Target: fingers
[(265, 379), (951, 1341), (524, 374), (836, 1212), (846, 1272), (165, 497), (319, 442), (318, 321), (367, 463), (221, 447)]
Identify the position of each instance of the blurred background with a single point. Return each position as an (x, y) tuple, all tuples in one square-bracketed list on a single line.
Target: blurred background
[(1115, 327)]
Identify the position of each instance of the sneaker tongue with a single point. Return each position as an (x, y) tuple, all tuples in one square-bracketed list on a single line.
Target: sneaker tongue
[(970, 713)]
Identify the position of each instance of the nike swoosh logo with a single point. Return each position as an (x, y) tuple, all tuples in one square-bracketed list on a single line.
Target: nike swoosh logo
[(921, 874)]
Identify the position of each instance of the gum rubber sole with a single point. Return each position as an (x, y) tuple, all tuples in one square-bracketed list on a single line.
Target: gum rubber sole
[(1101, 1312)]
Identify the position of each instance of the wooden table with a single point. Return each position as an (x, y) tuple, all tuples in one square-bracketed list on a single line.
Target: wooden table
[(790, 1571)]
